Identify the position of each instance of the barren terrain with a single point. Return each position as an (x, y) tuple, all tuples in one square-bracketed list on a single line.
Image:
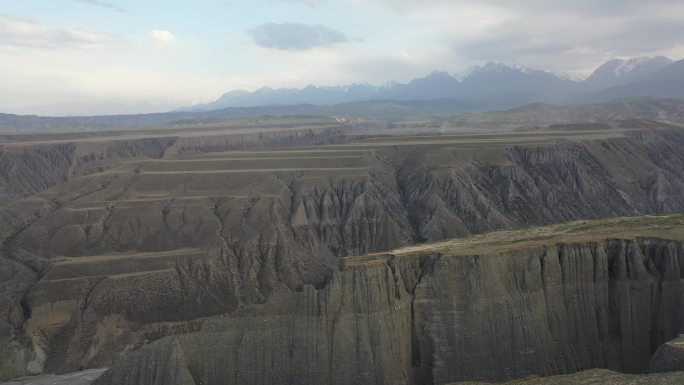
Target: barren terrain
[(121, 242)]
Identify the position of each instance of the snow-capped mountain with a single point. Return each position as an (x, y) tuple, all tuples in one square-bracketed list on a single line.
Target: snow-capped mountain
[(498, 80), (489, 86), (478, 82), (620, 71), (666, 82)]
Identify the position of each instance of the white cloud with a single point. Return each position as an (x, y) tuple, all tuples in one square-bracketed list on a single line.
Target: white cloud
[(104, 4), (592, 7), (162, 38), (136, 76), (401, 40), (18, 34), (308, 3), (575, 40)]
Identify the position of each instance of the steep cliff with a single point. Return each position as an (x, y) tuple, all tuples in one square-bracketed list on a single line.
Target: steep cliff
[(436, 318)]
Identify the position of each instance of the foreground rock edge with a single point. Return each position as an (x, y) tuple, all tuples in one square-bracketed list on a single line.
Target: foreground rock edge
[(389, 319)]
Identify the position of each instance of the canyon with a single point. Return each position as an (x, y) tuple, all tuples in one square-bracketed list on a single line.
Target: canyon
[(312, 250), (446, 313)]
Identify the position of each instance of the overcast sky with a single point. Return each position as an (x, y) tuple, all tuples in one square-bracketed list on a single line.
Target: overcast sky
[(166, 53)]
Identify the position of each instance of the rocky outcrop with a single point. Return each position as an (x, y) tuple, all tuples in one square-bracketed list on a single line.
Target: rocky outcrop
[(435, 319), (669, 357), (558, 310)]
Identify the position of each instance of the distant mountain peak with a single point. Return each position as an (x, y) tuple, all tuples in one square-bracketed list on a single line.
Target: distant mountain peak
[(389, 85), (566, 76), (500, 67), (493, 67), (491, 84), (624, 67), (438, 75), (620, 71)]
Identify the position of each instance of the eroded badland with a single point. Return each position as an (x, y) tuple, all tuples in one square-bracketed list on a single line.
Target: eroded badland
[(329, 251)]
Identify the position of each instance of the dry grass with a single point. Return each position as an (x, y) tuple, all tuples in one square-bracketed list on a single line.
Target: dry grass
[(597, 377), (499, 242), (226, 158), (124, 256), (263, 170)]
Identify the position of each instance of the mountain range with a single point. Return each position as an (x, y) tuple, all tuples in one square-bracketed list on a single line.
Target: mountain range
[(435, 111), (490, 86)]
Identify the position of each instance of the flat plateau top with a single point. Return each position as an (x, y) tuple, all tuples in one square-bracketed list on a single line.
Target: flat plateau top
[(498, 242), (598, 377)]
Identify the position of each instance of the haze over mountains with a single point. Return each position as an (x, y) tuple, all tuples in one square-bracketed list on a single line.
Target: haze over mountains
[(490, 86), (618, 72)]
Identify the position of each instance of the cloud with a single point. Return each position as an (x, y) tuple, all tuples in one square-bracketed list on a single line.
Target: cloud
[(20, 34), (571, 36), (104, 4), (295, 36), (51, 63), (163, 37), (594, 7), (308, 3), (575, 40)]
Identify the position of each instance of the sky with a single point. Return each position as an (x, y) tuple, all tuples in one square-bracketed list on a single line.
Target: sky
[(155, 55)]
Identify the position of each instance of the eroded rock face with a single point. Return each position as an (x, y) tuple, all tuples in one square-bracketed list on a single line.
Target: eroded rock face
[(437, 320), (355, 330), (560, 310), (29, 169), (104, 264), (85, 377)]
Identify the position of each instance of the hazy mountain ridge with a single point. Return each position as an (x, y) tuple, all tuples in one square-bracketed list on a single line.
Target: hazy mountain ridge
[(79, 108), (492, 84), (668, 110), (488, 82), (617, 72)]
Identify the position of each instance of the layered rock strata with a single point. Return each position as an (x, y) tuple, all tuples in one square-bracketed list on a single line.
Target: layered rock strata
[(437, 319), (153, 246)]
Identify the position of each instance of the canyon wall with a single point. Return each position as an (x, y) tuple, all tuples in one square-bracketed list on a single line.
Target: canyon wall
[(436, 319), (30, 168), (92, 268)]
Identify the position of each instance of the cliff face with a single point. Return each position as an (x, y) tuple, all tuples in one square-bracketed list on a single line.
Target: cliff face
[(28, 169), (100, 265), (560, 310), (435, 319), (537, 185)]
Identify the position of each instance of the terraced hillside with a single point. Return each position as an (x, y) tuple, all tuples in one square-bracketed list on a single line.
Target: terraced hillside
[(32, 163), (141, 238)]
